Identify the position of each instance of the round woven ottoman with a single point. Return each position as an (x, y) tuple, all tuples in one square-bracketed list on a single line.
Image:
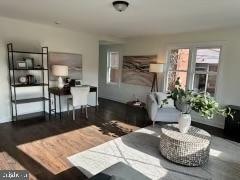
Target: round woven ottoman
[(190, 149)]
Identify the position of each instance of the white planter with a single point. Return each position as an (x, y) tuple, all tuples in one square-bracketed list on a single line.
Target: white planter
[(184, 123)]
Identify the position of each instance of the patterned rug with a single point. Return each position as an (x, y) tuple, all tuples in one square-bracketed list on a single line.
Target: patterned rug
[(140, 150)]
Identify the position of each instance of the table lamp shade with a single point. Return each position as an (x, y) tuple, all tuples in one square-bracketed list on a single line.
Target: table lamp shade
[(156, 68), (60, 70)]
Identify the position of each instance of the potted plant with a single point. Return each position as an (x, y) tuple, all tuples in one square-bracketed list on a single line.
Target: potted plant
[(203, 103)]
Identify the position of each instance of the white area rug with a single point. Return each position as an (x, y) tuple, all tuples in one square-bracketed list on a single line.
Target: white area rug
[(140, 151)]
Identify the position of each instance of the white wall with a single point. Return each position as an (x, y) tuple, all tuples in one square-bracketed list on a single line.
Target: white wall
[(121, 92), (228, 86), (31, 36)]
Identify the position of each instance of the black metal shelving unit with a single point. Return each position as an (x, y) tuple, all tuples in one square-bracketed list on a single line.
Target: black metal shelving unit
[(13, 85)]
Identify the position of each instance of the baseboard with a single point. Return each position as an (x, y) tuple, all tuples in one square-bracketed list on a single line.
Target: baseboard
[(5, 120), (113, 99)]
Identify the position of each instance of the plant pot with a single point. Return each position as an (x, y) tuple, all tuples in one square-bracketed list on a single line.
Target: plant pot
[(184, 123), (183, 106)]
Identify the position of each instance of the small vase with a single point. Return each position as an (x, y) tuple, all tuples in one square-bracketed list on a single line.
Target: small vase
[(184, 123)]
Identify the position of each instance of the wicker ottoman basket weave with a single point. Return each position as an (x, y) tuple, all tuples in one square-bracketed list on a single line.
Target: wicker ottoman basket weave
[(190, 149)]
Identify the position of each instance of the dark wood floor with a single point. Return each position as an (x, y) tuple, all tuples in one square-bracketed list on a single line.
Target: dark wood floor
[(42, 146)]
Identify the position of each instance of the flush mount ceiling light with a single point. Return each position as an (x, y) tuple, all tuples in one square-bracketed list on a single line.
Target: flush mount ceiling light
[(120, 5), (57, 22)]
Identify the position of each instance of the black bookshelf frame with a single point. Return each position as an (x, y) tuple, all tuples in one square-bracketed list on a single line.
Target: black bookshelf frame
[(13, 85)]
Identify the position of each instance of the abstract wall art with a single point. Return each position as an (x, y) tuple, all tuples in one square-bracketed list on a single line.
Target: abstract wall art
[(73, 61), (136, 70)]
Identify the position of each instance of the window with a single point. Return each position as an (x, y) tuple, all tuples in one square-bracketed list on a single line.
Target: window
[(177, 67), (113, 72), (196, 67), (206, 69)]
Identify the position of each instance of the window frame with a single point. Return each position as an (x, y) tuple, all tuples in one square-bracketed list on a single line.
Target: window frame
[(168, 66), (208, 72), (192, 63), (108, 75)]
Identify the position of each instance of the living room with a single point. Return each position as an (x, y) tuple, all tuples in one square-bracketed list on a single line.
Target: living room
[(104, 78)]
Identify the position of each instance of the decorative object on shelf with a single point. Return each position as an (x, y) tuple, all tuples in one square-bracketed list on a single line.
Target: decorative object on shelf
[(22, 79), (38, 66), (120, 5), (60, 71), (136, 70), (30, 79), (21, 64), (30, 62), (155, 69), (203, 103)]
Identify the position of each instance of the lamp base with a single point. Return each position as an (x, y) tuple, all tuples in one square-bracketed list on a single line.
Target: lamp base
[(60, 83)]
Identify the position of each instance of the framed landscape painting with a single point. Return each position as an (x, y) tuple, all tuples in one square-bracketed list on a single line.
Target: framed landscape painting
[(136, 70)]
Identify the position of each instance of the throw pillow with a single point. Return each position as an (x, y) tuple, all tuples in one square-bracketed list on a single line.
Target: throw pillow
[(160, 96)]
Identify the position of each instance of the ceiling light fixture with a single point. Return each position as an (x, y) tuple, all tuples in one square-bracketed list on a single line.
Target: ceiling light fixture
[(57, 22), (120, 5)]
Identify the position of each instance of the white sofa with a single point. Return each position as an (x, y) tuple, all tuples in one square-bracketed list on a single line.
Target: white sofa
[(166, 113)]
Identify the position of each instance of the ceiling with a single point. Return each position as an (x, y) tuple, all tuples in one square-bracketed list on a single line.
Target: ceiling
[(142, 17)]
